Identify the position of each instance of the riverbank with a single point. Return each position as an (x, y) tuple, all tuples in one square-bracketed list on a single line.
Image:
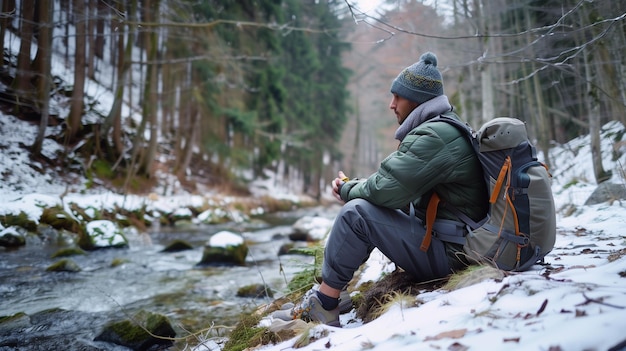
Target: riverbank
[(113, 284)]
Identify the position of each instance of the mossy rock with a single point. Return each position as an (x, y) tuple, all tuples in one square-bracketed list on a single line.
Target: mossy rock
[(118, 262), (102, 234), (136, 333), (177, 246), (20, 220), (220, 256), (85, 214), (64, 265), (57, 218), (11, 237), (14, 323), (68, 251), (285, 249), (255, 291)]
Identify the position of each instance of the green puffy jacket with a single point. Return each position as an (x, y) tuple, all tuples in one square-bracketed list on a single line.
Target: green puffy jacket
[(435, 156)]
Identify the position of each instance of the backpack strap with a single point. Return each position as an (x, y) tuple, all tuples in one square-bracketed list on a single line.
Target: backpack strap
[(431, 214)]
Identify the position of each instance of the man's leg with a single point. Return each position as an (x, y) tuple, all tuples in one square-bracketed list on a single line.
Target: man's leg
[(360, 227)]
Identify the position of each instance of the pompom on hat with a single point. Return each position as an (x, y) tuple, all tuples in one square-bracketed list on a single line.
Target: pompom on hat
[(419, 82)]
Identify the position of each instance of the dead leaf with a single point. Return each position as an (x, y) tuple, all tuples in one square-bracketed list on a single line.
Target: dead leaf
[(543, 307), (617, 255), (583, 267), (452, 334), (457, 347), (511, 339)]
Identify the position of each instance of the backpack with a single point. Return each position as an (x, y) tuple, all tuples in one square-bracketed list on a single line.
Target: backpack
[(520, 227)]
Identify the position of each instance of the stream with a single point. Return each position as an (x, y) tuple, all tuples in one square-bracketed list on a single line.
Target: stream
[(66, 311)]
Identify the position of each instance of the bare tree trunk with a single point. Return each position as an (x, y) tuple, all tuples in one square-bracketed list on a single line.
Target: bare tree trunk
[(102, 13), (8, 6), (91, 12), (150, 108), (593, 111), (78, 94), (44, 52), (486, 74), (190, 140), (22, 85), (124, 52)]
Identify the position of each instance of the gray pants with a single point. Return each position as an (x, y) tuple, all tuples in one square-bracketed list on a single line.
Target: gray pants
[(361, 226)]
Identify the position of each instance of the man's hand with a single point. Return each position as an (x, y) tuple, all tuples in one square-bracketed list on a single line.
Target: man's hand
[(337, 183)]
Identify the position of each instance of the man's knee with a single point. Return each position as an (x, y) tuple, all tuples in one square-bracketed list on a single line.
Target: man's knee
[(355, 206)]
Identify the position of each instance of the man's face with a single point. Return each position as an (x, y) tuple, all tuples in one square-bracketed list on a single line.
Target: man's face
[(401, 107)]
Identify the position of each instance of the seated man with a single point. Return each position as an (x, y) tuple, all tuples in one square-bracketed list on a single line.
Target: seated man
[(386, 210)]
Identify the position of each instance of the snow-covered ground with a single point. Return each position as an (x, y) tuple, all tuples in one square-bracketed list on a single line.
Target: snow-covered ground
[(578, 302)]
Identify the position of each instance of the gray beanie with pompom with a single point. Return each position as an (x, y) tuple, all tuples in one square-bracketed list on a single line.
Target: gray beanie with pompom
[(419, 82)]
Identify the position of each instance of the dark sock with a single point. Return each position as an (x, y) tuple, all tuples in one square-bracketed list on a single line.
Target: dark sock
[(328, 303)]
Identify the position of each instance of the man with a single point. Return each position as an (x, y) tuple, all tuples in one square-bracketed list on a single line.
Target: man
[(386, 210)]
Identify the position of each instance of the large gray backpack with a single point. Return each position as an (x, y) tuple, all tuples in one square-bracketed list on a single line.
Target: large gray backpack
[(520, 228)]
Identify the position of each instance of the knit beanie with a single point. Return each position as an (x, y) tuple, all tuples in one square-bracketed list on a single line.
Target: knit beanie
[(419, 82)]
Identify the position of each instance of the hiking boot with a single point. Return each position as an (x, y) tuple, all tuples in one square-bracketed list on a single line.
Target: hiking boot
[(310, 310)]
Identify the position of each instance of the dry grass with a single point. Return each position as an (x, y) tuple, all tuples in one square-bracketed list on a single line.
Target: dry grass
[(473, 274)]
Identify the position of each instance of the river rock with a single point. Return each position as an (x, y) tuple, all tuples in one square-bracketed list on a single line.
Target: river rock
[(102, 234), (607, 192), (68, 251), (64, 265), (225, 248), (12, 237), (310, 228), (177, 246), (136, 333), (255, 291), (12, 324)]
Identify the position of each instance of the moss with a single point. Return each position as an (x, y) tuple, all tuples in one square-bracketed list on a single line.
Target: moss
[(69, 251), (102, 169), (64, 265), (83, 214), (128, 331), (19, 220), (255, 291), (177, 246), (57, 218), (136, 333), (571, 183), (13, 317), (233, 254), (118, 262)]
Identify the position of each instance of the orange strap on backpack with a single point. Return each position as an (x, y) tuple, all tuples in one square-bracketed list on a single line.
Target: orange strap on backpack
[(431, 214), (504, 171)]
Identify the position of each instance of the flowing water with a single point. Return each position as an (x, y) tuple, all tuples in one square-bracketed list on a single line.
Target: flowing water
[(66, 311)]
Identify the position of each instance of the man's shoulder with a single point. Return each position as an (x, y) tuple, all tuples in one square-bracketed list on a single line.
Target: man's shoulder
[(448, 124)]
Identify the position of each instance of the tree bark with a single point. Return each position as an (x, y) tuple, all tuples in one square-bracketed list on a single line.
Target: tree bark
[(22, 85), (44, 53), (150, 108), (78, 94), (8, 6), (123, 59)]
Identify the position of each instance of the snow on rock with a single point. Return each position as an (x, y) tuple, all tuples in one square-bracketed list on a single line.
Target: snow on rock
[(314, 227), (32, 205), (104, 233), (225, 239)]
